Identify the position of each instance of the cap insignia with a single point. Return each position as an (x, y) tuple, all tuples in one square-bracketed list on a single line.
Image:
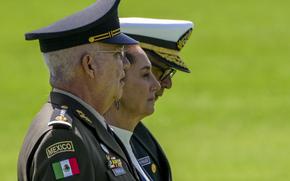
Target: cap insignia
[(183, 39)]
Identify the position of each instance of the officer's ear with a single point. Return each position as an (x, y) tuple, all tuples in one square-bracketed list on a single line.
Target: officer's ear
[(88, 66)]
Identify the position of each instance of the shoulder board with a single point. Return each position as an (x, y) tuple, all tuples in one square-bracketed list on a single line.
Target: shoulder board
[(60, 118)]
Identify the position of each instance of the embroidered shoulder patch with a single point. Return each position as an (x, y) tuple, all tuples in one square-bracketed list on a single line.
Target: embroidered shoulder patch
[(65, 168), (59, 147)]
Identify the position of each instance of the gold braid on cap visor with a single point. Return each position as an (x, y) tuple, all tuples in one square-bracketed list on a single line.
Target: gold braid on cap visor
[(103, 36), (166, 53)]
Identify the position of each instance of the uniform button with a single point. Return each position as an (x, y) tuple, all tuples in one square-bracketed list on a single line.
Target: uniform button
[(153, 168)]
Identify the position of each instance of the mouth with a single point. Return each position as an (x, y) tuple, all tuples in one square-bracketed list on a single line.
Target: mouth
[(152, 98), (158, 94)]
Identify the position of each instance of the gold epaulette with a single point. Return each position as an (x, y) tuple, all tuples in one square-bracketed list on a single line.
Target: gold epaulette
[(60, 118)]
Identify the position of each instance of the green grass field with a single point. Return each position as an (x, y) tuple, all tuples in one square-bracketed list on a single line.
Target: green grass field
[(226, 121)]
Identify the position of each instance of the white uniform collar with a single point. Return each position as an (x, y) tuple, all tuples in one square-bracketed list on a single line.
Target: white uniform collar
[(124, 135)]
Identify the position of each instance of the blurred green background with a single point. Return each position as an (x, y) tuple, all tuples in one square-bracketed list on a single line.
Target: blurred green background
[(226, 121)]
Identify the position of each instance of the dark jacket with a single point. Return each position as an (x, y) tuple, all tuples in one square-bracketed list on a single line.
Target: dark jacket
[(76, 146), (150, 154)]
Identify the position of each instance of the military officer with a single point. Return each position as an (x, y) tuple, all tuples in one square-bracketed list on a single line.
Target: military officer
[(69, 139), (162, 41), (137, 102)]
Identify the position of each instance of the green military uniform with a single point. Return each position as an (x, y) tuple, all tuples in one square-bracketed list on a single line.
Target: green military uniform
[(66, 141), (150, 154)]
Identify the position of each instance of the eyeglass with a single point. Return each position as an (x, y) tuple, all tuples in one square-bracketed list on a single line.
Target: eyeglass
[(166, 72), (120, 51)]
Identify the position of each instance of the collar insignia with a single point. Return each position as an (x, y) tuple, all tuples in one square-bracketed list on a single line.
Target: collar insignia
[(83, 116)]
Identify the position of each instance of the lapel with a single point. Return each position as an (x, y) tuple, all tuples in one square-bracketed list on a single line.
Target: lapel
[(147, 145), (76, 108), (159, 156)]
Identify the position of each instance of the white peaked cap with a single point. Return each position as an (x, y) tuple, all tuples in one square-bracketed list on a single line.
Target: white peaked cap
[(162, 36)]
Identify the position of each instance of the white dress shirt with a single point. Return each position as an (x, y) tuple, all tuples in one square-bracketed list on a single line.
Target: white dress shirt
[(125, 136)]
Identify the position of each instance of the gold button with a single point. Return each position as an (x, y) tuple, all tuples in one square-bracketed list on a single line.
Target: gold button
[(153, 168)]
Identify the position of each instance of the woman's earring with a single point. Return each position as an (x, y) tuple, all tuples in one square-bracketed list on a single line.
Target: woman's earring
[(117, 104)]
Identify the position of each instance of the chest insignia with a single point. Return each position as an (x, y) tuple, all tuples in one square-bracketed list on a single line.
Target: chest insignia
[(115, 165), (144, 161)]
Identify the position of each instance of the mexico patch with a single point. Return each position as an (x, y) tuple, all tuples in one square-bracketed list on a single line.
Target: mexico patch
[(60, 147), (65, 168)]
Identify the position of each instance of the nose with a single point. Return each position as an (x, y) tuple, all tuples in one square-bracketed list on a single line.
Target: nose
[(126, 63), (166, 83), (155, 84)]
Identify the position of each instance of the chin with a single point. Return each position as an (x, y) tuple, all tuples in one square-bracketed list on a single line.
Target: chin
[(150, 111)]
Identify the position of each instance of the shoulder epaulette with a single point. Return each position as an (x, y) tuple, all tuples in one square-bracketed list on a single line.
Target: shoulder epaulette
[(60, 118)]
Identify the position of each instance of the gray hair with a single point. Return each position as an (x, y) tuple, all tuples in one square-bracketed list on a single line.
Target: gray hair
[(62, 65)]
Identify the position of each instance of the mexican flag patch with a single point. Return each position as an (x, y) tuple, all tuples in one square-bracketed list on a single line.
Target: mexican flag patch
[(66, 168)]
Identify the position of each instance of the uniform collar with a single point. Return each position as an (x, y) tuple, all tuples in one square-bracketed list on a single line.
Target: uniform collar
[(58, 99), (123, 135), (83, 103), (148, 142)]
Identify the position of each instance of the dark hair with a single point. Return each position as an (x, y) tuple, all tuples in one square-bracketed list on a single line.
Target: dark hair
[(130, 58), (151, 54)]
